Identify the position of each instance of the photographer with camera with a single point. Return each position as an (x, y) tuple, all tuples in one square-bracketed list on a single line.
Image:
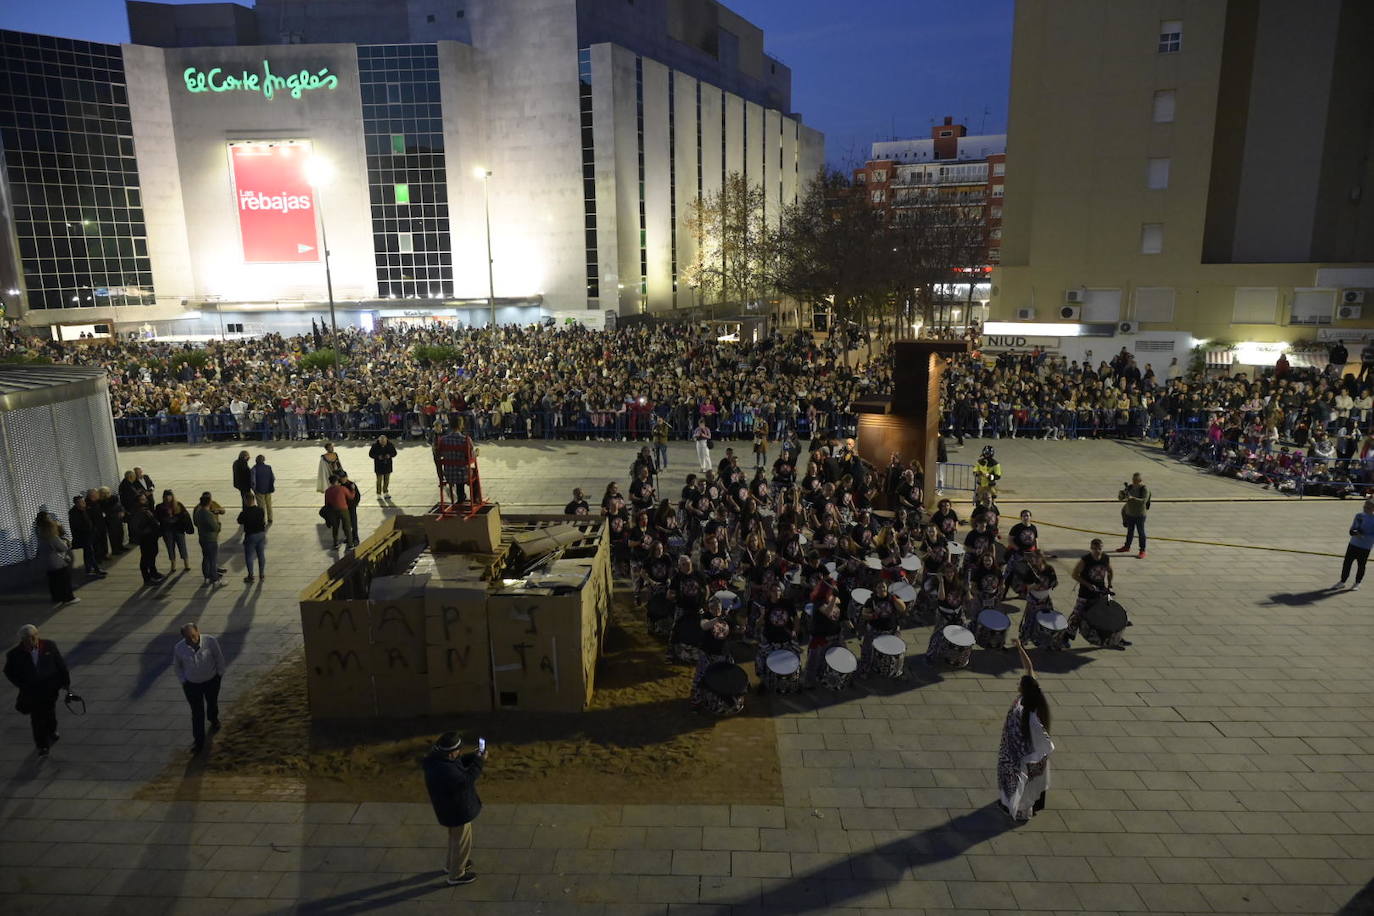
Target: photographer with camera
[(451, 779), (1361, 540), (1136, 497)]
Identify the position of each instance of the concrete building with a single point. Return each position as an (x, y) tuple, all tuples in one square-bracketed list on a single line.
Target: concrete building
[(1189, 169), (949, 170), (171, 183)]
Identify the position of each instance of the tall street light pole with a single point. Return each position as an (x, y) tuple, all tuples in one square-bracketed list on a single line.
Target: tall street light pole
[(485, 176), (319, 173)]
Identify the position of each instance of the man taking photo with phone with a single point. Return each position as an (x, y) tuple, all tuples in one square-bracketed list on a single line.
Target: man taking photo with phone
[(451, 778), (1136, 497)]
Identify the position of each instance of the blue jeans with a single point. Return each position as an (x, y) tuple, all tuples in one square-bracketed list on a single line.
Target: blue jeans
[(661, 456), (1132, 526), (255, 545)]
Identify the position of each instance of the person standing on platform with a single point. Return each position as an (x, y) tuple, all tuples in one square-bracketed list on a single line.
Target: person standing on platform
[(199, 665), (1357, 552), (1136, 497), (243, 477), (383, 455), (206, 519), (254, 523), (35, 666), (453, 453), (264, 485), (451, 780)]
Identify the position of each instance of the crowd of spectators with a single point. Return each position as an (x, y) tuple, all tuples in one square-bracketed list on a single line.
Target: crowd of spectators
[(1277, 426)]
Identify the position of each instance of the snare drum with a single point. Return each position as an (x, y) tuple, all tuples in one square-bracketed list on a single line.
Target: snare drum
[(873, 563), (952, 645), (904, 591), (990, 630), (723, 688), (676, 544), (889, 656), (1051, 631), (728, 600), (911, 562), (782, 672), (840, 665), (955, 549)]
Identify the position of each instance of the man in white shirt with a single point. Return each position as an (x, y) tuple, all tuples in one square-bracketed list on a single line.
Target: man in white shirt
[(239, 409), (199, 665)]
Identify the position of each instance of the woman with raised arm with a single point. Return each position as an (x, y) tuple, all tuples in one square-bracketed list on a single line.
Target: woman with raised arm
[(1023, 761)]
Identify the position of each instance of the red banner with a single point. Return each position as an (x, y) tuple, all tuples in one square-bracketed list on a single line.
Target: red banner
[(275, 202)]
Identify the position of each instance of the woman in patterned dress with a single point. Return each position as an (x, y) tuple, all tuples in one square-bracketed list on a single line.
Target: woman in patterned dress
[(1023, 760)]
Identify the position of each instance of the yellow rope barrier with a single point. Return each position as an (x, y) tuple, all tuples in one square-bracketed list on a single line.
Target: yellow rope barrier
[(1154, 537)]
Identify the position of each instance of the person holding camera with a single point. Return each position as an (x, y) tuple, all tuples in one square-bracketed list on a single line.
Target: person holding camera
[(1361, 540), (36, 667), (451, 780), (1136, 497)]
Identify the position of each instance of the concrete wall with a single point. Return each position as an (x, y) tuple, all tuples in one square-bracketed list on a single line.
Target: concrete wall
[(463, 93), (609, 194), (536, 148), (685, 118), (204, 124), (164, 210), (656, 187)]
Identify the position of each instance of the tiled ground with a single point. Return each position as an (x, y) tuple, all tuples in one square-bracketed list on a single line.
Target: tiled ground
[(1225, 763)]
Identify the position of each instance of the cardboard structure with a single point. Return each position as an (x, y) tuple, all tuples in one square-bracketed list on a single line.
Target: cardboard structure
[(399, 629)]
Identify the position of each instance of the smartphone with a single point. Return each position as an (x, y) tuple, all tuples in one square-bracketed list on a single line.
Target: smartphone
[(481, 745)]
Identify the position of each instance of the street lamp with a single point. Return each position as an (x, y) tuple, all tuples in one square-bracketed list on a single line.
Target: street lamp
[(320, 172), (484, 175)]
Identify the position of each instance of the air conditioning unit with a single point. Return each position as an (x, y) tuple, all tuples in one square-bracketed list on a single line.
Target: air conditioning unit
[(1025, 314), (1352, 297), (1070, 312), (1075, 295), (1349, 312), (1128, 327)]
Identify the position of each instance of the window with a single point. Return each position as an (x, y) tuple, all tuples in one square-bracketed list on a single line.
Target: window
[(995, 213), (1170, 36), (1255, 305), (999, 168), (1312, 306), (877, 197), (998, 190), (861, 177), (880, 175), (946, 133), (405, 243), (1157, 174), (1164, 106), (402, 193), (995, 233), (1154, 303), (429, 18), (1102, 305), (1151, 238), (398, 144)]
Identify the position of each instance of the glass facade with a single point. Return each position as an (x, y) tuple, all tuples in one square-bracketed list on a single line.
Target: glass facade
[(584, 84), (407, 184), (68, 146)]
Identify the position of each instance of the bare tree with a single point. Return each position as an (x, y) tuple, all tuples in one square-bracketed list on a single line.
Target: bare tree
[(734, 244)]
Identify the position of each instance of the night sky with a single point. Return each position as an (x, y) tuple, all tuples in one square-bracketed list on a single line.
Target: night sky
[(861, 70)]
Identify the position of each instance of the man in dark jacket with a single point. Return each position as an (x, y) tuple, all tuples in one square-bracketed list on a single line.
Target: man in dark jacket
[(130, 493), (383, 455), (451, 778), (113, 512), (243, 477), (83, 535), (36, 667)]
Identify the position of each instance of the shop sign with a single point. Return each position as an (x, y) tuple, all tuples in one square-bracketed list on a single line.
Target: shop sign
[(1018, 342), (217, 79), (274, 201)]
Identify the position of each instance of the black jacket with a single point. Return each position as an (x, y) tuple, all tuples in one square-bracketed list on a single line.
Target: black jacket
[(129, 494), (382, 456), (243, 475), (452, 786), (43, 682), (79, 522)]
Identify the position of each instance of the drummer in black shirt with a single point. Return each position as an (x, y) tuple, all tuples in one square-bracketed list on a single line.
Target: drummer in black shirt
[(827, 630), (579, 505), (1093, 573), (1024, 537), (945, 518)]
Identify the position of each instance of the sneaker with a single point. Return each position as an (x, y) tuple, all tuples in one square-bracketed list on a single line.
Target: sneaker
[(247, 578), (42, 752), (1140, 556), (466, 877), (1121, 550), (1355, 587), (1340, 584)]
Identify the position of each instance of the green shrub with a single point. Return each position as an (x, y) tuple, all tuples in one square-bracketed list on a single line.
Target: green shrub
[(320, 359), (26, 359), (434, 354), (194, 358)]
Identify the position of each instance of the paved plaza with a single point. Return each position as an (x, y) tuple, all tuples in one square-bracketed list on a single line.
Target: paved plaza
[(1223, 763)]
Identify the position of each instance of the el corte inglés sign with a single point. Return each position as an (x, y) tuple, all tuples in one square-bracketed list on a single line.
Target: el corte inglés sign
[(265, 82)]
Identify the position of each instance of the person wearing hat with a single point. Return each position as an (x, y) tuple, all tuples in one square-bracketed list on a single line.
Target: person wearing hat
[(36, 667), (451, 780)]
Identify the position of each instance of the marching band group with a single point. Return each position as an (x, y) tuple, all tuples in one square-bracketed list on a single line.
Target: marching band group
[(798, 566)]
